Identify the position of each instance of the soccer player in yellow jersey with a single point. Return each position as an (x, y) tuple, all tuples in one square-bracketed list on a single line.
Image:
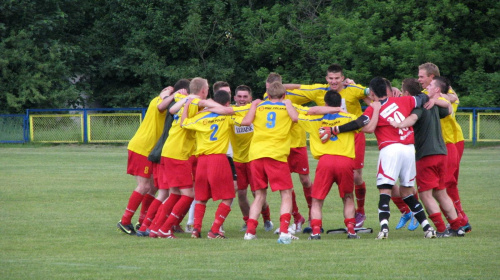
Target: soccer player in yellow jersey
[(452, 136), (139, 148), (213, 177), (181, 86), (298, 161), (178, 163), (351, 96), (268, 154), (240, 138), (336, 164)]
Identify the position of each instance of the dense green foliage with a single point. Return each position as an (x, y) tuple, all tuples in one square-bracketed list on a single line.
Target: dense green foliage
[(121, 53)]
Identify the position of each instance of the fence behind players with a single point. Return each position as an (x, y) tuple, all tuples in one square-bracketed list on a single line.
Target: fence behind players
[(119, 125)]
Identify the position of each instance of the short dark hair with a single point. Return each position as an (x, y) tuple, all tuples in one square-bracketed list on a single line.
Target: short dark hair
[(333, 98), (334, 68), (219, 84), (181, 84), (412, 86), (443, 83), (222, 97), (243, 88), (378, 86)]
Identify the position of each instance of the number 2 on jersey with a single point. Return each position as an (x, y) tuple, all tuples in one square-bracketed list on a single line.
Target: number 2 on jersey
[(271, 120), (214, 129)]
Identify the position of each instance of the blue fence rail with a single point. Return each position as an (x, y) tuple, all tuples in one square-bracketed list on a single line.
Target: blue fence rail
[(16, 128)]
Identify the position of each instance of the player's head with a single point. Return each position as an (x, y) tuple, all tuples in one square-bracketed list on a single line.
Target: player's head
[(276, 90), (437, 86), (242, 95), (411, 87), (333, 98), (391, 91), (273, 77), (199, 86), (335, 77), (222, 97), (181, 84), (378, 87), (221, 85), (426, 72)]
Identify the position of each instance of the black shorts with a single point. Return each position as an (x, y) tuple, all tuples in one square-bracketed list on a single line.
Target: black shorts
[(233, 168)]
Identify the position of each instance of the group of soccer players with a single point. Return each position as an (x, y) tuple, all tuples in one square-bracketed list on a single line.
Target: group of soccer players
[(212, 150)]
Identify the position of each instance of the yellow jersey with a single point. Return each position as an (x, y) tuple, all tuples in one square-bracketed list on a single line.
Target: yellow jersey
[(452, 132), (180, 143), (240, 136), (341, 144), (212, 132), (271, 136), (150, 130), (351, 95)]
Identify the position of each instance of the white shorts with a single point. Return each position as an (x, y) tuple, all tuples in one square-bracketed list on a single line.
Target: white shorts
[(397, 161)]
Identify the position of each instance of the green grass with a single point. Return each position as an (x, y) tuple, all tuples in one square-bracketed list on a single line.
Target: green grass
[(59, 206)]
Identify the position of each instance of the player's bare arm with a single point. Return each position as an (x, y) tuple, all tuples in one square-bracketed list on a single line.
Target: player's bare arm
[(178, 105), (215, 107), (167, 98), (185, 111), (250, 116), (409, 121), (291, 86), (370, 127), (294, 115), (323, 110)]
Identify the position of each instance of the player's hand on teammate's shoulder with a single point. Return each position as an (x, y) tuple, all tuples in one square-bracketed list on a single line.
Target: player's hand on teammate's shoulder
[(429, 104), (183, 91), (375, 105), (348, 81), (256, 102), (395, 124)]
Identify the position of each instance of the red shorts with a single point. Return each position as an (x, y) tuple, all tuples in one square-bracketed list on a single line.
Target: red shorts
[(176, 173), (156, 173), (333, 169), (452, 165), (213, 178), (298, 161), (193, 160), (359, 149), (431, 172), (243, 175), (139, 165), (275, 172), (460, 151)]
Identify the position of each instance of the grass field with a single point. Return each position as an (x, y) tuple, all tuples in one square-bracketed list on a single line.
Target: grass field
[(59, 206)]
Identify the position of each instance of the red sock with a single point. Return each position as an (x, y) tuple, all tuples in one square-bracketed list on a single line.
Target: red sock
[(350, 223), (133, 203), (316, 225), (199, 213), (360, 191), (163, 211), (220, 216), (285, 222), (295, 208), (266, 214), (180, 209), (146, 202), (152, 210), (438, 221), (245, 219), (401, 205), (456, 224), (252, 226)]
